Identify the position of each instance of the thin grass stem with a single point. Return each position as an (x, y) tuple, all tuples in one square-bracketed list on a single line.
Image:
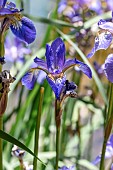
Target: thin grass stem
[(1, 144), (37, 128)]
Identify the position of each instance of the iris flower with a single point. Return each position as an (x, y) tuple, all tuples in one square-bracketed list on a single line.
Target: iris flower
[(108, 67), (105, 38), (65, 168), (15, 50), (55, 67), (108, 154), (21, 26)]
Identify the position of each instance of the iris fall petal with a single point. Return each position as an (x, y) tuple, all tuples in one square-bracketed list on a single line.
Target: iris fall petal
[(29, 79), (101, 42), (24, 30), (108, 67)]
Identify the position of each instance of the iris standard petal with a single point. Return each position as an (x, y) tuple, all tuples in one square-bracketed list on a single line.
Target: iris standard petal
[(2, 3), (41, 64), (60, 57), (108, 26), (24, 30), (49, 58), (69, 63), (57, 86), (84, 68), (108, 67), (58, 48), (29, 79), (55, 55), (102, 42)]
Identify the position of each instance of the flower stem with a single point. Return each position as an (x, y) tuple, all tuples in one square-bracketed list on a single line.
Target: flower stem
[(1, 143), (58, 122), (108, 126), (37, 128), (1, 116)]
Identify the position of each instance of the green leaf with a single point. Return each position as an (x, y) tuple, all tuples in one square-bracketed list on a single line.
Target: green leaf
[(87, 164), (11, 139), (95, 76)]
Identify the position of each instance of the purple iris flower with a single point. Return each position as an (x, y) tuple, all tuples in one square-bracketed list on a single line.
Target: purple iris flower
[(15, 50), (108, 67), (104, 39), (22, 27), (99, 68), (110, 4), (55, 67), (65, 168), (108, 153), (71, 8)]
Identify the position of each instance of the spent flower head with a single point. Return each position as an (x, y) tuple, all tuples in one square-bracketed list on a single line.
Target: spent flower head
[(55, 67)]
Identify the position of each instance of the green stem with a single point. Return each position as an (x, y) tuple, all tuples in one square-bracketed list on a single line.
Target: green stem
[(1, 143), (1, 116), (108, 126), (58, 122), (38, 128), (57, 146)]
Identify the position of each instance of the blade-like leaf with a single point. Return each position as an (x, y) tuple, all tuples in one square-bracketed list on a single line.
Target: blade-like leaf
[(11, 139)]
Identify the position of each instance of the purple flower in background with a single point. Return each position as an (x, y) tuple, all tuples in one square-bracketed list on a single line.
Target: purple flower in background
[(22, 27), (15, 50), (108, 67), (65, 168), (99, 68), (55, 67), (108, 153), (103, 41), (110, 4), (72, 8)]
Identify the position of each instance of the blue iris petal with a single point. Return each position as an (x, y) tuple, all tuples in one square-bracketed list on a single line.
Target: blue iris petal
[(49, 58), (65, 168), (2, 3), (29, 79), (69, 63), (60, 56), (84, 68), (108, 152), (108, 67), (55, 55), (57, 86), (5, 11), (108, 26), (11, 5), (41, 63), (101, 42), (24, 30)]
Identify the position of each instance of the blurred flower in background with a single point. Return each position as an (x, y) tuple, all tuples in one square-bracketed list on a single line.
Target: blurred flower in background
[(108, 154), (15, 50), (65, 168)]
